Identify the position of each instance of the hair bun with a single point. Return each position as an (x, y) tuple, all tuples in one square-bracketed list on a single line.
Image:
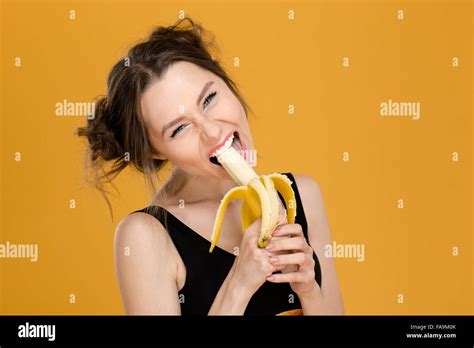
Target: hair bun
[(102, 141)]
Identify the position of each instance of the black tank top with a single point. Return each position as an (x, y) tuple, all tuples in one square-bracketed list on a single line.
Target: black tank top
[(205, 272)]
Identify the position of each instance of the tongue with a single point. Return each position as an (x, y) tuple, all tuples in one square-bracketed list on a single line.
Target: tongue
[(236, 145)]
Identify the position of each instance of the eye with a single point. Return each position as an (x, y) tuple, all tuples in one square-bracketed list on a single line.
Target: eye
[(177, 130), (206, 102), (209, 98)]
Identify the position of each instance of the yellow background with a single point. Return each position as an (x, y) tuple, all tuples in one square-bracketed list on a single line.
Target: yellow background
[(407, 251)]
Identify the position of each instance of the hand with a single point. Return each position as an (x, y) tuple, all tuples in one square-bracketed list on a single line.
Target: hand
[(282, 220), (252, 266), (298, 255), (284, 268)]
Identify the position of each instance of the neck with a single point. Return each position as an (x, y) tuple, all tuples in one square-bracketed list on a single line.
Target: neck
[(196, 188)]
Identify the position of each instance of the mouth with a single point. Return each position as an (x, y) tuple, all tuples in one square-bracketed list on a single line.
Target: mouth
[(233, 140)]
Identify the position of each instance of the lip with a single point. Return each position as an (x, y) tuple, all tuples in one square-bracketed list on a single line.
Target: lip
[(214, 149)]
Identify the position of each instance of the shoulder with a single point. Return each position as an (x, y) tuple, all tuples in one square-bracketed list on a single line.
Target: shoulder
[(138, 225), (313, 204), (305, 182), (141, 232), (145, 266), (309, 190)]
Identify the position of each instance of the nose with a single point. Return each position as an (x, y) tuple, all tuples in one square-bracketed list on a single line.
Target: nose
[(210, 132)]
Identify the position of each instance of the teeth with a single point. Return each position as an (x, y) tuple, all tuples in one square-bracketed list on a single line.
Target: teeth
[(226, 145)]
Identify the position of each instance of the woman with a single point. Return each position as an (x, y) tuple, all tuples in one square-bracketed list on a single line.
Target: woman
[(169, 100)]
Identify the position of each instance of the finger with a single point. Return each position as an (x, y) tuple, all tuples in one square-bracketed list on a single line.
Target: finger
[(278, 238), (296, 243), (288, 268), (300, 259), (288, 229), (293, 277), (279, 268), (274, 253), (271, 252)]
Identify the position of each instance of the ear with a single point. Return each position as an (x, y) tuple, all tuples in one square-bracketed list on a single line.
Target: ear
[(158, 155)]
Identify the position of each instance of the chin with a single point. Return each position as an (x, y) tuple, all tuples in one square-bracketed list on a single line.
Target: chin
[(222, 176)]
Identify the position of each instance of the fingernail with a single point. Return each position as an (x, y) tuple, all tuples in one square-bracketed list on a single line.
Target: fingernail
[(269, 246), (270, 277), (273, 259), (276, 232)]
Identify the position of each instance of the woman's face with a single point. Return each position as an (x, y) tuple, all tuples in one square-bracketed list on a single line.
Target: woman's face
[(188, 113)]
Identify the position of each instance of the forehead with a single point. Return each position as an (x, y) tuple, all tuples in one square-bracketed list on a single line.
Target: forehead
[(180, 85)]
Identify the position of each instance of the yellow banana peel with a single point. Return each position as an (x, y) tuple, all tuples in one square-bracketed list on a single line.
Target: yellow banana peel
[(259, 196)]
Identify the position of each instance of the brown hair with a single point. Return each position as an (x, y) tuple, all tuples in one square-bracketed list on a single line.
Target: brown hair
[(116, 133)]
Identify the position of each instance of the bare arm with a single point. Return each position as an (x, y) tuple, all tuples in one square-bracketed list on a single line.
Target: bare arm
[(232, 299), (331, 301), (146, 269)]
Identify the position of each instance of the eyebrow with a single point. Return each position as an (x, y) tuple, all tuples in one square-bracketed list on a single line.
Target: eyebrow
[(203, 92), (179, 119)]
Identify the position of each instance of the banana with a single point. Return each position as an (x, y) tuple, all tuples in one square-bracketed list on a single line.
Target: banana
[(258, 193)]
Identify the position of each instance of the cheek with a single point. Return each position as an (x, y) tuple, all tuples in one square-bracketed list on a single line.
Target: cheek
[(184, 154)]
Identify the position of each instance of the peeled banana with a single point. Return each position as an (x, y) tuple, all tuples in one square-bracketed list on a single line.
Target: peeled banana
[(259, 196)]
